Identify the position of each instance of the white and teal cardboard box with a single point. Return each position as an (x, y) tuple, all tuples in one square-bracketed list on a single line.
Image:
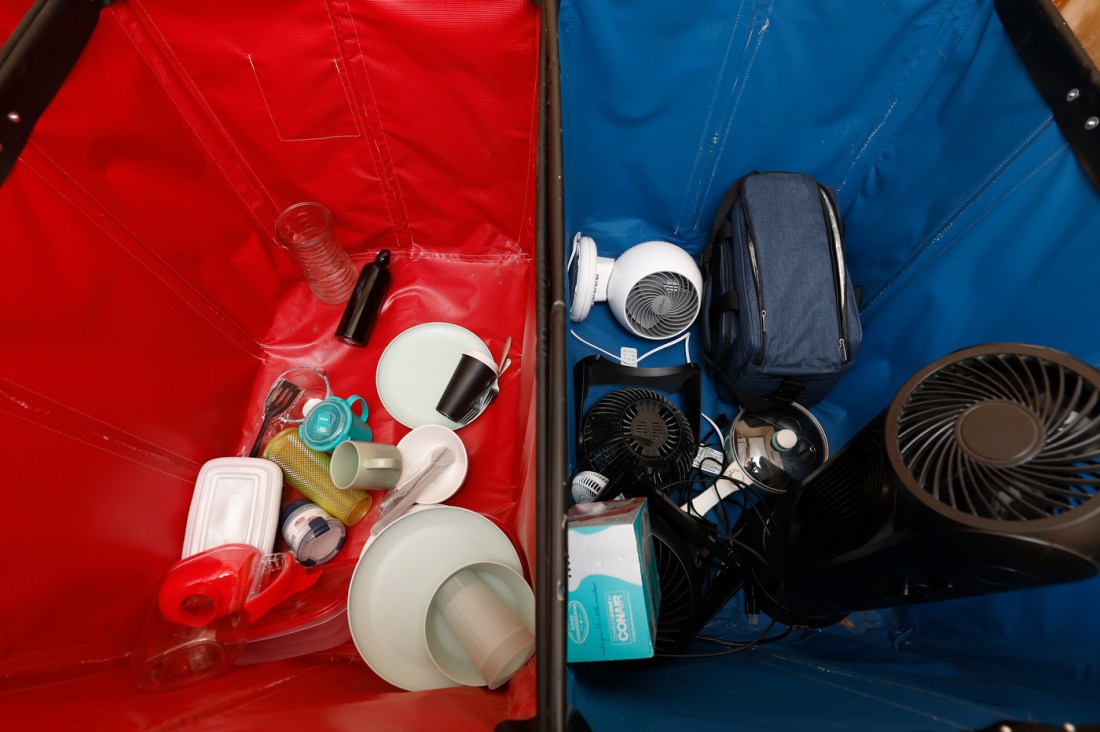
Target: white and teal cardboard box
[(613, 590)]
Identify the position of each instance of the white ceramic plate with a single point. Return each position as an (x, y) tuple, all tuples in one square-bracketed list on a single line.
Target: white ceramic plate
[(416, 507), (417, 446), (443, 647), (398, 574), (415, 368)]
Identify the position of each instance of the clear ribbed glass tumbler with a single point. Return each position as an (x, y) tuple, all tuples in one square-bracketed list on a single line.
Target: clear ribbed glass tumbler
[(305, 230)]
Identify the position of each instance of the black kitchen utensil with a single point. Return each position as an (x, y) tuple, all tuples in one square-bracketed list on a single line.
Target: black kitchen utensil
[(279, 399)]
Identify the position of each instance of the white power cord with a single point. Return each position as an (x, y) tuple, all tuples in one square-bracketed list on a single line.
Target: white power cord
[(629, 356)]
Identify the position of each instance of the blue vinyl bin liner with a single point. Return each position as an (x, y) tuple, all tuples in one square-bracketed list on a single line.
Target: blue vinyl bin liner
[(968, 221)]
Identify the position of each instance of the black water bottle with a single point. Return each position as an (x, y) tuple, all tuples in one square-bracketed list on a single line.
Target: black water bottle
[(362, 309)]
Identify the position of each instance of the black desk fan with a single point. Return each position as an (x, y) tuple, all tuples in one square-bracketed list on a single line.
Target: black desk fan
[(634, 441)]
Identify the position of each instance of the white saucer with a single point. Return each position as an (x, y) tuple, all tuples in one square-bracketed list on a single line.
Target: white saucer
[(415, 368), (417, 446), (443, 647), (396, 578)]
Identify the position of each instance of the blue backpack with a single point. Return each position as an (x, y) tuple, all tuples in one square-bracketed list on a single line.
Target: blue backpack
[(780, 318)]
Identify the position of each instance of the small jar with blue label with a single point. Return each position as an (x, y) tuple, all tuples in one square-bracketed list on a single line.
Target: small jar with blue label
[(313, 535), (333, 421)]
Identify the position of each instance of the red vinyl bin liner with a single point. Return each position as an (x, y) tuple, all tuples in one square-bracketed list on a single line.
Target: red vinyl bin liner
[(148, 308)]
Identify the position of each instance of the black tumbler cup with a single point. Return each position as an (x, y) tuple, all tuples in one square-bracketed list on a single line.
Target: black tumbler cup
[(474, 374)]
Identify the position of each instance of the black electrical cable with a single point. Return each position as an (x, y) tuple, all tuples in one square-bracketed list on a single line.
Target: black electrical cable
[(750, 504), (723, 642), (732, 646)]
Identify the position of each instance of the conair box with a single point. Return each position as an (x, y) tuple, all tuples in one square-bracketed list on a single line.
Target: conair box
[(611, 612)]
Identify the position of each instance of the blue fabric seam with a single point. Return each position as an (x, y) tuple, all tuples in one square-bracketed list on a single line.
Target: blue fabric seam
[(908, 268), (879, 679), (866, 694), (719, 83), (758, 33), (909, 63)]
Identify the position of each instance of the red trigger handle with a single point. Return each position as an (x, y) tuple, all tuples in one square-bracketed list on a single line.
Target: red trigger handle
[(291, 580)]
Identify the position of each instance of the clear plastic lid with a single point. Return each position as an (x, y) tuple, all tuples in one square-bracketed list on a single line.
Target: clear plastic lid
[(326, 425), (314, 536), (778, 447)]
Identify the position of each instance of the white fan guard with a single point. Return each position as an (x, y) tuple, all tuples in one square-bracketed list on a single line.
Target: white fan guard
[(654, 288)]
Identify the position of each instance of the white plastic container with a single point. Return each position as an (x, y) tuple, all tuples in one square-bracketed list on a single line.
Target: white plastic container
[(312, 534), (236, 501)]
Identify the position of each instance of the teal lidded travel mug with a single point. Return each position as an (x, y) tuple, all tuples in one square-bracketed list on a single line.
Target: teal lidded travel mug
[(333, 421)]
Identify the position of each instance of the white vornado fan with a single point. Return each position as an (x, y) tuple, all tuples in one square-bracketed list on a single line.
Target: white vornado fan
[(653, 288)]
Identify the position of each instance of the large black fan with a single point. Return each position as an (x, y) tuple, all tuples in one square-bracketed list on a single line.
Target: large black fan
[(698, 573), (983, 475), (637, 434), (682, 573), (1007, 436)]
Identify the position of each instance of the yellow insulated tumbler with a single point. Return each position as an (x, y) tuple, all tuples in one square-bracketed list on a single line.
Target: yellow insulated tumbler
[(307, 471)]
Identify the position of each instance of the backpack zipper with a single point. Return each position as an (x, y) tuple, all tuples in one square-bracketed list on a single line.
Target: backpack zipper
[(762, 314), (837, 255)]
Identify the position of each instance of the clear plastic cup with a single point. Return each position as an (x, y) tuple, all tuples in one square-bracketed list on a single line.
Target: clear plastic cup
[(305, 230)]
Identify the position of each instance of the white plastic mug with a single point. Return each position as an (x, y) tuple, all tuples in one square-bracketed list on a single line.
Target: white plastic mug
[(496, 640)]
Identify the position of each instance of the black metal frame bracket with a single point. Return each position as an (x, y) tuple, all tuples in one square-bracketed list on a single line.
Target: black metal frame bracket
[(34, 62), (1061, 70)]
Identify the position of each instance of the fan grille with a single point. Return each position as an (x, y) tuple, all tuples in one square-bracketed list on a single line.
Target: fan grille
[(1004, 436), (662, 304), (632, 430), (574, 274), (679, 594), (842, 507)]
